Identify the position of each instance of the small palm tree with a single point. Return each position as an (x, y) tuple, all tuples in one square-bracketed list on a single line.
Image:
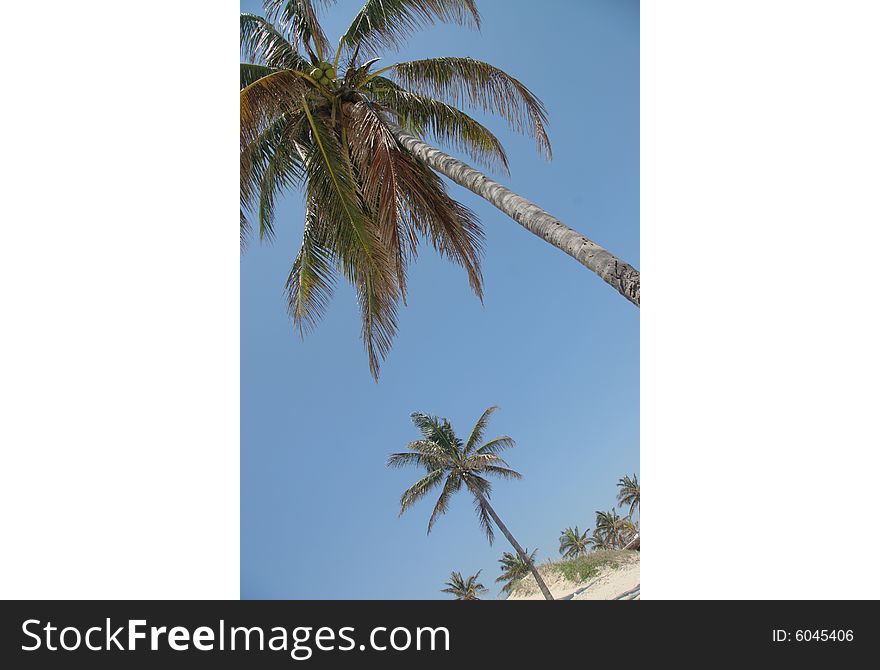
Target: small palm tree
[(600, 540), (451, 463), (573, 543), (350, 137), (465, 589), (612, 528), (628, 493), (514, 567)]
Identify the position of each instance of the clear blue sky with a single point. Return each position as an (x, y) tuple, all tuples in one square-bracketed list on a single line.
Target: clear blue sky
[(553, 345)]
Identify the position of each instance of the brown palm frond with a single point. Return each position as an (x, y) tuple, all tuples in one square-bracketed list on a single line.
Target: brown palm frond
[(267, 98)]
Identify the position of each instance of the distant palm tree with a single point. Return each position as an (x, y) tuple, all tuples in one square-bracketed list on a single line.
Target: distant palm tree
[(451, 463), (465, 589), (612, 528), (514, 568), (573, 543), (600, 540), (352, 139), (628, 494)]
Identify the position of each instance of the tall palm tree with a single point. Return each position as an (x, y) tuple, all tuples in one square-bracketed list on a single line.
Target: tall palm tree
[(573, 543), (451, 463), (612, 528), (514, 567), (352, 137), (465, 589), (628, 493)]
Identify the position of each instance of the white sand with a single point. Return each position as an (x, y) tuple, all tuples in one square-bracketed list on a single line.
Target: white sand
[(608, 584)]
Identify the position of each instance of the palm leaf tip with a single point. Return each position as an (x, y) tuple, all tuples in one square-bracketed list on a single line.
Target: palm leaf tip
[(386, 23)]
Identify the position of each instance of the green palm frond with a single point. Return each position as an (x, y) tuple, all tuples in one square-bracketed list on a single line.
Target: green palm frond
[(444, 123), (309, 286), (263, 44), (479, 429), (436, 430), (299, 21), (385, 23), (497, 445), (460, 81), (363, 258), (420, 489), (249, 73), (452, 485), (485, 519)]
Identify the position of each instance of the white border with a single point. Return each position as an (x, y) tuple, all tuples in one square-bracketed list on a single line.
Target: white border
[(760, 234), (120, 302)]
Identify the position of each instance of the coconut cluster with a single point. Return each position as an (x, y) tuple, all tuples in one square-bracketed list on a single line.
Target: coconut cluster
[(324, 74)]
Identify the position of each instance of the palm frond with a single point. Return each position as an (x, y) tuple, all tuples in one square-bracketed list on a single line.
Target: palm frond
[(266, 99), (309, 286), (476, 436), (299, 20), (504, 473), (452, 228), (436, 430), (283, 170), (375, 153), (485, 519), (460, 81), (364, 260), (263, 44), (249, 73), (497, 445), (420, 489), (385, 23), (452, 485), (446, 124)]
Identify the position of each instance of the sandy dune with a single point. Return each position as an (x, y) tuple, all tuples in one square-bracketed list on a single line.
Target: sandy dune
[(608, 584)]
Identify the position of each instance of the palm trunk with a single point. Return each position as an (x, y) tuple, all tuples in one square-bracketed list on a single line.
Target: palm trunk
[(515, 545), (620, 275)]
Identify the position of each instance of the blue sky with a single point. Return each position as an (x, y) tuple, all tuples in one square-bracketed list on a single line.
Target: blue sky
[(553, 345)]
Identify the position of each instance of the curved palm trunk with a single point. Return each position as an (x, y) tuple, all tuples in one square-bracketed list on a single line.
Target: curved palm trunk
[(515, 545), (620, 275)]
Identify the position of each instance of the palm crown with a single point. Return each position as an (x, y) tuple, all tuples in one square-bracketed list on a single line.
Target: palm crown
[(628, 493), (574, 543), (465, 589), (323, 120), (514, 568)]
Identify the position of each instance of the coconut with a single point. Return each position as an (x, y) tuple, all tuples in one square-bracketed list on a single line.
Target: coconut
[(315, 73)]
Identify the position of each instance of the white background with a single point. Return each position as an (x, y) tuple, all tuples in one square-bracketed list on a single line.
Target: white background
[(119, 379)]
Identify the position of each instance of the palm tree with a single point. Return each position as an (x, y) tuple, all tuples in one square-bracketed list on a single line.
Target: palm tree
[(351, 138), (612, 528), (628, 494), (573, 543), (465, 589), (514, 567), (600, 540), (451, 463)]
